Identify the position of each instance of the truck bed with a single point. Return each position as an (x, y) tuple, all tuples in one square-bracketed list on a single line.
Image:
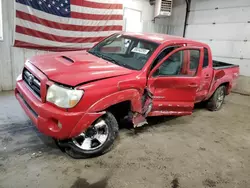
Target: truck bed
[(224, 73), (222, 65)]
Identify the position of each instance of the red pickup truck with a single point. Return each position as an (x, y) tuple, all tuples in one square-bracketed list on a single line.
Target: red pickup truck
[(79, 98)]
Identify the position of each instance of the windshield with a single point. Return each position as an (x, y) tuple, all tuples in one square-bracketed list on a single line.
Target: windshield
[(125, 51)]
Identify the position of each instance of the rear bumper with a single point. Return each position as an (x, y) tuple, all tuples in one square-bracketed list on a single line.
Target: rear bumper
[(50, 120)]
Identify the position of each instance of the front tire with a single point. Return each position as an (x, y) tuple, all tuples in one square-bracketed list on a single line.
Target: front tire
[(96, 140), (216, 101)]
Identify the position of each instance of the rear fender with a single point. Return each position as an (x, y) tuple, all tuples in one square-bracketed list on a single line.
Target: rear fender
[(221, 78)]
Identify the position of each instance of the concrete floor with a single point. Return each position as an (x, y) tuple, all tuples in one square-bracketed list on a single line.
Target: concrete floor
[(207, 149)]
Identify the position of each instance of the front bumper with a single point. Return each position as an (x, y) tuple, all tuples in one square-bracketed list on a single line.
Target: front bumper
[(50, 120)]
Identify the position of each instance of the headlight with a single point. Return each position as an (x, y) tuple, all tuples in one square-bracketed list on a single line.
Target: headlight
[(63, 97)]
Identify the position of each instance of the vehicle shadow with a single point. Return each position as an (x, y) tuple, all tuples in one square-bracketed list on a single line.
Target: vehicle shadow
[(199, 107), (158, 121), (40, 142)]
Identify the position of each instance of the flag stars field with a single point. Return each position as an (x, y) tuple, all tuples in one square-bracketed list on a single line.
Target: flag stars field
[(65, 25)]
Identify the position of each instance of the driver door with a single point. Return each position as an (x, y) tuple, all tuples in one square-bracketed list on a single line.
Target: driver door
[(174, 82)]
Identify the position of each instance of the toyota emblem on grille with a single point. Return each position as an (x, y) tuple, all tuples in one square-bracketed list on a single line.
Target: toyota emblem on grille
[(30, 79)]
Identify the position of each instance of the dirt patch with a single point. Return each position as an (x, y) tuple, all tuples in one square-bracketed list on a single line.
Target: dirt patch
[(175, 183), (83, 183), (6, 140), (209, 183)]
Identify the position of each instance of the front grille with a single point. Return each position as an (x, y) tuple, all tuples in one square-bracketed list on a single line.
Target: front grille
[(33, 83)]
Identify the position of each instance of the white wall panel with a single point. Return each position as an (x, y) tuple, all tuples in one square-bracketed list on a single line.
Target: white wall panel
[(140, 5), (212, 4), (243, 63), (232, 15), (154, 28), (1, 22), (5, 53), (224, 26), (18, 60), (177, 19), (175, 22), (230, 49), (230, 31)]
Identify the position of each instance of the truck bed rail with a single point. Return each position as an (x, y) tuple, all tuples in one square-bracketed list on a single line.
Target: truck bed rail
[(222, 65)]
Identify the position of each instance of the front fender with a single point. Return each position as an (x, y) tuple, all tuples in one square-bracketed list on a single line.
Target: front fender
[(132, 95), (98, 108)]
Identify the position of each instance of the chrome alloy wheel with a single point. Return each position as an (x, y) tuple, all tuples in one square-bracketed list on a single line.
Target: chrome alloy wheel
[(93, 138), (220, 98)]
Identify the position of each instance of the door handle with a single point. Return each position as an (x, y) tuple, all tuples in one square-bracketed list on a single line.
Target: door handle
[(193, 85)]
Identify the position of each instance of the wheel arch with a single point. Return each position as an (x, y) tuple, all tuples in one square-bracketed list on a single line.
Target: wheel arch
[(131, 96), (215, 99), (227, 84)]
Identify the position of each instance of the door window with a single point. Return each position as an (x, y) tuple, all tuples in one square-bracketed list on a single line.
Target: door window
[(163, 54), (177, 64)]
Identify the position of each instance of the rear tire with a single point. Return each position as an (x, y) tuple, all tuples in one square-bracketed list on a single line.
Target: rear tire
[(216, 101), (77, 147)]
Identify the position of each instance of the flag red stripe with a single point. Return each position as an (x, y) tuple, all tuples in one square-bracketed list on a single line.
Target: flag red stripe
[(95, 5), (95, 16), (22, 44), (68, 27), (39, 34)]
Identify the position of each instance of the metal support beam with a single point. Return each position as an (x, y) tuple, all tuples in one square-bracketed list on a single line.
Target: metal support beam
[(188, 3)]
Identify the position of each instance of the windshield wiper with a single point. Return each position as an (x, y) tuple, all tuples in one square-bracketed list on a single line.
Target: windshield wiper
[(110, 59), (116, 62), (95, 53)]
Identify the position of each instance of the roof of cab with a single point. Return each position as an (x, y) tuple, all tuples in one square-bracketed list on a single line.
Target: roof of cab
[(158, 37), (154, 37)]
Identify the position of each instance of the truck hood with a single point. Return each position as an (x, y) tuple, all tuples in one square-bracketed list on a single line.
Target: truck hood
[(73, 68)]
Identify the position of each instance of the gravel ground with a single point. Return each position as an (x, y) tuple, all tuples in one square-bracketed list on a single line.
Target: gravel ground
[(206, 149)]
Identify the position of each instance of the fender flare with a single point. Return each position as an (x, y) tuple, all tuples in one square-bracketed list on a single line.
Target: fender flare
[(132, 95), (223, 79), (99, 108)]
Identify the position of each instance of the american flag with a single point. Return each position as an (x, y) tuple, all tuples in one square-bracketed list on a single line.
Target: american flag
[(58, 25)]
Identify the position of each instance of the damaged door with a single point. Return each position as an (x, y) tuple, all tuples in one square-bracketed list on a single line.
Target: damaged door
[(174, 82)]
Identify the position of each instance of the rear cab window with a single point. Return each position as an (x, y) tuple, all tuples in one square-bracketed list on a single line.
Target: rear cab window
[(205, 60)]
